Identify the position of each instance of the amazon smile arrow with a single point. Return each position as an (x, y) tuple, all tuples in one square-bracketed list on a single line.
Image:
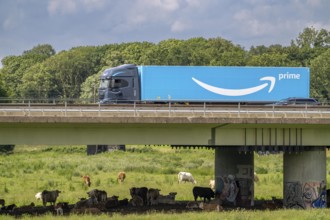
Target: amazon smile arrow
[(238, 92)]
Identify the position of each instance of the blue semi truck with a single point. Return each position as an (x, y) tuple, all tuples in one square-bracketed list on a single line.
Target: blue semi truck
[(128, 83)]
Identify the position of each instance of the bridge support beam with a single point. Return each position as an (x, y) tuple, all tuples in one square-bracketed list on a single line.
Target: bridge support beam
[(234, 175), (304, 179)]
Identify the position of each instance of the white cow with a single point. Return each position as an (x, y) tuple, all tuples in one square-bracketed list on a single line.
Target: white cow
[(212, 184), (186, 177), (38, 196)]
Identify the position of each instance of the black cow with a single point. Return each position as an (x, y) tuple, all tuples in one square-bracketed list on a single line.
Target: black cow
[(142, 192), (49, 196), (123, 202), (8, 207), (100, 195), (2, 202), (203, 192), (86, 203), (111, 202)]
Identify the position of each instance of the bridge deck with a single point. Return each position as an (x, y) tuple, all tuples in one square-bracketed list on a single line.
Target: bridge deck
[(217, 126)]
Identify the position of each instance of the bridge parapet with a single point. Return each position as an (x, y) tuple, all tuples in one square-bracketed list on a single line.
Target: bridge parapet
[(123, 111)]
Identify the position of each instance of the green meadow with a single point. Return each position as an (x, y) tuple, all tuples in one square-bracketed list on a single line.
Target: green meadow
[(31, 169)]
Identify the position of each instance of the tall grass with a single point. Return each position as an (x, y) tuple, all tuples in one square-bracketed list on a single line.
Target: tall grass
[(27, 171), (31, 169)]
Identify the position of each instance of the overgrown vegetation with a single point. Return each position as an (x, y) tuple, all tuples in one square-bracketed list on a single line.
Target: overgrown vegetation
[(31, 169)]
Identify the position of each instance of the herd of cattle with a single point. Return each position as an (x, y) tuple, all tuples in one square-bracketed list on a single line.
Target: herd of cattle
[(98, 201)]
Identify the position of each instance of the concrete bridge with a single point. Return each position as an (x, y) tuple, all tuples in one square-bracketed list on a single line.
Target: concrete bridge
[(235, 132)]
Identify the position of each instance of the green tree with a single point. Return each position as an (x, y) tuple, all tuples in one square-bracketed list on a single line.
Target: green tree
[(320, 77), (14, 67), (197, 51), (3, 92), (310, 44), (270, 59), (113, 55), (12, 73), (89, 88), (36, 83), (134, 53), (258, 50), (313, 38), (224, 53), (43, 50), (69, 69), (274, 55), (173, 52)]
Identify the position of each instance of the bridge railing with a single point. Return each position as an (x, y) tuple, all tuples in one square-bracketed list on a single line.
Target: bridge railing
[(170, 109), (91, 101)]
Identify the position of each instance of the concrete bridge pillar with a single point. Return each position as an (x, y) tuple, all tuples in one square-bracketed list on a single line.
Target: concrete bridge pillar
[(304, 178), (234, 174)]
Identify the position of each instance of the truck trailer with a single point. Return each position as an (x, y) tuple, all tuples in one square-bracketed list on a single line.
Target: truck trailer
[(129, 83)]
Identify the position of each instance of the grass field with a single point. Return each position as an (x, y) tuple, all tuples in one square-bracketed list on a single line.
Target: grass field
[(31, 169), (320, 214)]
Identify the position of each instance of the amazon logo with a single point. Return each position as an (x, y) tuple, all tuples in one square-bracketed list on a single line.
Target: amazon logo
[(268, 81)]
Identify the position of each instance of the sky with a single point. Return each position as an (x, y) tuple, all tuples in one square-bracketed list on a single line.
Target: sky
[(70, 23)]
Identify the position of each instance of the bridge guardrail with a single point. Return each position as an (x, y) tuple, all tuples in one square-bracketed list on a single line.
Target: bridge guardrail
[(162, 110)]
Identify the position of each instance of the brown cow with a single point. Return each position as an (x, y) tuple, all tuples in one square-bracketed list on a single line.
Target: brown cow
[(87, 180), (121, 176)]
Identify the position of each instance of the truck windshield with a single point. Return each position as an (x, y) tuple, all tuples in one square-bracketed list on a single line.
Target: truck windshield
[(104, 83), (118, 83)]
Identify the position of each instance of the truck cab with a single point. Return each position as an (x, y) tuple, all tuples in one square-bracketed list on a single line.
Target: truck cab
[(119, 84)]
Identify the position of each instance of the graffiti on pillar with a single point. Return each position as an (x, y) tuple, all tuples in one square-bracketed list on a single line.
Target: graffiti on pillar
[(314, 194), (229, 188), (304, 196), (309, 194), (232, 189), (320, 202), (245, 171), (245, 178), (293, 195)]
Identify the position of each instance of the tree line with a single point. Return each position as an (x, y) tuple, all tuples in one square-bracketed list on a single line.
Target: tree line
[(41, 73)]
